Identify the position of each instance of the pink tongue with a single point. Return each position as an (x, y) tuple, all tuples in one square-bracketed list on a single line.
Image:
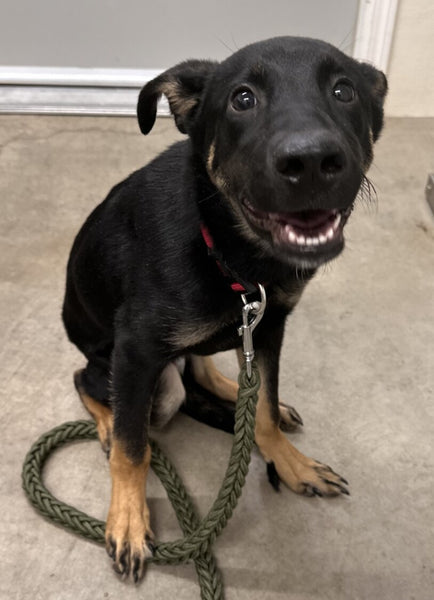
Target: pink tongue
[(308, 219)]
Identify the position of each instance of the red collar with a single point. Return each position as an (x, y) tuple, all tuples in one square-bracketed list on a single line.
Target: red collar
[(237, 283)]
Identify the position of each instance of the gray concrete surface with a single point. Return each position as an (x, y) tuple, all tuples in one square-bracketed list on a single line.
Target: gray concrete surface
[(357, 364)]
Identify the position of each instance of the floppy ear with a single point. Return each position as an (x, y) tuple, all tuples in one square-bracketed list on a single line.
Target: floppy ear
[(378, 85), (183, 86)]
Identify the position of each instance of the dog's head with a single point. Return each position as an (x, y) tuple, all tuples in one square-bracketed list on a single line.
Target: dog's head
[(285, 129)]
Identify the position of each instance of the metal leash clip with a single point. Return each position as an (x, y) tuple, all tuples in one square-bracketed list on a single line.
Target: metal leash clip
[(252, 314)]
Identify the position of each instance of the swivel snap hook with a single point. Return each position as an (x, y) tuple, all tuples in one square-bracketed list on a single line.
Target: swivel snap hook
[(252, 313)]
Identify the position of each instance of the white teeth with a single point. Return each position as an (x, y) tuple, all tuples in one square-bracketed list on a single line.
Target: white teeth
[(310, 241), (322, 238), (336, 221)]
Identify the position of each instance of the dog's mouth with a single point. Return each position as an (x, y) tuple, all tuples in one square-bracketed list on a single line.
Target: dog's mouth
[(307, 231)]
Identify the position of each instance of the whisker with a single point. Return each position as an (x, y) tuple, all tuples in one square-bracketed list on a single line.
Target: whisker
[(346, 42), (367, 193), (234, 42), (208, 197), (231, 50)]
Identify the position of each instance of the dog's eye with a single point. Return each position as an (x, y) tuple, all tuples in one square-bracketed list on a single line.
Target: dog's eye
[(344, 91), (243, 100)]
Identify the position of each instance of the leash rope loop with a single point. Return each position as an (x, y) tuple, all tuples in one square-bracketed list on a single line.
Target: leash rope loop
[(199, 534)]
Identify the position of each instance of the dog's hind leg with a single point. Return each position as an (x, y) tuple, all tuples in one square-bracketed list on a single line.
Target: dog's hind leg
[(168, 395), (209, 377)]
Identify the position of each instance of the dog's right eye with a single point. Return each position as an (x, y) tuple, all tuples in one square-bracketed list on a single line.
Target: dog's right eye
[(243, 99), (344, 91)]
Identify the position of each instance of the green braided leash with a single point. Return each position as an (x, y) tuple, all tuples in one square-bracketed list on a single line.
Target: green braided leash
[(199, 535)]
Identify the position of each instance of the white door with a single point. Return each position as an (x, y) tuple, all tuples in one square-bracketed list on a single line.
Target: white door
[(57, 54)]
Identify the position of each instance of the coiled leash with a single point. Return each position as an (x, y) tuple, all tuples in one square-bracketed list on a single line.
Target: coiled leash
[(199, 534)]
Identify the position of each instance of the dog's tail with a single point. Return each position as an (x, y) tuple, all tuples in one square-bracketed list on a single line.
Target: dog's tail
[(202, 405)]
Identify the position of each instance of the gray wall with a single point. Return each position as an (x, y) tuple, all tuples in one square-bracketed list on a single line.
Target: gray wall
[(143, 34)]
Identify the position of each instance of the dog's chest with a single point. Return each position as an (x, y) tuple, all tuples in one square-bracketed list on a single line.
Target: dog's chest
[(217, 332)]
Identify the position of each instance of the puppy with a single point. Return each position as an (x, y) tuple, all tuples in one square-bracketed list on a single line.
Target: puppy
[(280, 136)]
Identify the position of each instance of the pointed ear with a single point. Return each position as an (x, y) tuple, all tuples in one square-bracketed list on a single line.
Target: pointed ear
[(183, 86), (378, 85)]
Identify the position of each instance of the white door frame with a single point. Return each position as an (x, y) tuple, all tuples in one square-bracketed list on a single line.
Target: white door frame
[(374, 32), (45, 90)]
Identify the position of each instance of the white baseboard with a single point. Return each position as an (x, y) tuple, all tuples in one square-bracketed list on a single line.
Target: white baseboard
[(67, 76), (68, 91)]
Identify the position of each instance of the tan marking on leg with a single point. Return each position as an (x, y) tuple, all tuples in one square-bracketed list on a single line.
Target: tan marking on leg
[(209, 377), (128, 534), (103, 417), (302, 474)]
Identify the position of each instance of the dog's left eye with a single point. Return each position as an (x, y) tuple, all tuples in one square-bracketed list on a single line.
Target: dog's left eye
[(243, 100), (344, 91)]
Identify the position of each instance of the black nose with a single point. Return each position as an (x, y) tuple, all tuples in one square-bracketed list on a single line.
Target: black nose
[(310, 159)]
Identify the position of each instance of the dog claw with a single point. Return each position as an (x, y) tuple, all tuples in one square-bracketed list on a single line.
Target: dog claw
[(295, 415), (289, 418), (341, 479), (136, 568), (311, 490), (139, 562), (124, 560), (340, 487), (111, 549), (151, 547)]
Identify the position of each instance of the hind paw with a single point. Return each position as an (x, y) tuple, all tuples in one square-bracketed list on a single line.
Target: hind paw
[(289, 418)]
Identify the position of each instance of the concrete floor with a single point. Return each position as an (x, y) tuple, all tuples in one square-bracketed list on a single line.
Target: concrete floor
[(357, 364)]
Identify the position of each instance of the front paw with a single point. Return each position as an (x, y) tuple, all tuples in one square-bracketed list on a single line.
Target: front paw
[(300, 473), (129, 545)]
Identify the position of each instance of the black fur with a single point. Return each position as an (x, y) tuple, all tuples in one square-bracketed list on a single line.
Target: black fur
[(139, 280), (273, 476)]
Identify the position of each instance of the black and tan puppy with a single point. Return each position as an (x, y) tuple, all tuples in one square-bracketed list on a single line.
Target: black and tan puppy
[(280, 137)]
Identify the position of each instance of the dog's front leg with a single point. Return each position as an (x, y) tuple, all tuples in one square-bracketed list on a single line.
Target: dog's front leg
[(284, 462), (129, 539)]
